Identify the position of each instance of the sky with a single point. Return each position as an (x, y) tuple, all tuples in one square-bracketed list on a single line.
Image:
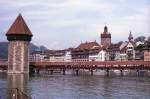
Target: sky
[(60, 24)]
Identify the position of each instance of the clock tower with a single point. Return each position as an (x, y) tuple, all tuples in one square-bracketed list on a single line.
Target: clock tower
[(105, 38)]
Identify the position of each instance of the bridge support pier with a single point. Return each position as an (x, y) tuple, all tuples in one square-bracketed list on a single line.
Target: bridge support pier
[(107, 72), (121, 72), (64, 72), (51, 71), (37, 71), (32, 70), (138, 72), (77, 72), (91, 72)]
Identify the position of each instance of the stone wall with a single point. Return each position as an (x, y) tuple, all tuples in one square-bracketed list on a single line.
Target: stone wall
[(18, 57), (106, 42)]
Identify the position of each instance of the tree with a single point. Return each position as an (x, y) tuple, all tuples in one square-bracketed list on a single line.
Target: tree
[(43, 48), (140, 38), (148, 39)]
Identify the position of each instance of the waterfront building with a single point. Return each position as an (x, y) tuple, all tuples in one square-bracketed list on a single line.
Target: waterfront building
[(56, 55), (139, 52), (126, 50), (147, 51), (113, 51), (102, 55), (37, 56), (68, 57), (123, 50), (97, 54), (130, 48), (123, 55), (81, 53), (89, 51), (92, 51), (84, 50), (51, 55), (60, 55)]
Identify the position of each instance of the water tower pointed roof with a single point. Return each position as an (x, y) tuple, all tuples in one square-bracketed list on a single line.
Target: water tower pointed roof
[(19, 27)]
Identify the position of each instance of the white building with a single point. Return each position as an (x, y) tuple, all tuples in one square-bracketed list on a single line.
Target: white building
[(67, 56), (100, 56), (60, 55), (130, 50), (37, 56)]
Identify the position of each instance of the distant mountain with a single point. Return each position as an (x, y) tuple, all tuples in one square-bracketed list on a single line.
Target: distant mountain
[(4, 49), (33, 47), (148, 39), (43, 48)]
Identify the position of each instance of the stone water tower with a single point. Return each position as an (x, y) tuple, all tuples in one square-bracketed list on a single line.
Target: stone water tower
[(19, 37)]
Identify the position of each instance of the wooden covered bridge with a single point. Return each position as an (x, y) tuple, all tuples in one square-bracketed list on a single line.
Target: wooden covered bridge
[(89, 65), (92, 65)]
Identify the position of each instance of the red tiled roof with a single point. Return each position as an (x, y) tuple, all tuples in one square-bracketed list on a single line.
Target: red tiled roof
[(36, 52), (19, 27), (88, 45), (114, 47)]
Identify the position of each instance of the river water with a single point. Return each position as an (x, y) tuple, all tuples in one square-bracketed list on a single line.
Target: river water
[(70, 86)]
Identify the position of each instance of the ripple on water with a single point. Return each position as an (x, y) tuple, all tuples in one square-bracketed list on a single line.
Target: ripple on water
[(89, 87), (85, 87)]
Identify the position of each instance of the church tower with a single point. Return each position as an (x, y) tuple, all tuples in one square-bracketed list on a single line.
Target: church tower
[(105, 38), (130, 38), (19, 37)]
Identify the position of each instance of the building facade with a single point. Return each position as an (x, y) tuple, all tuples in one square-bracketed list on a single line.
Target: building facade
[(51, 55), (113, 51), (130, 47), (37, 56), (85, 51), (147, 51), (89, 51)]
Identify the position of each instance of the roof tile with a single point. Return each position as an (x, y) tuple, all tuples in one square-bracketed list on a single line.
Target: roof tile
[(88, 45), (19, 27)]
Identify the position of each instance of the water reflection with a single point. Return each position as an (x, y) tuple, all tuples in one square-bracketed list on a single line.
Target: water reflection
[(89, 87), (76, 87), (17, 86)]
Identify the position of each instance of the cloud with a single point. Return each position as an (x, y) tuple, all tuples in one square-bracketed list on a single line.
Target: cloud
[(65, 23)]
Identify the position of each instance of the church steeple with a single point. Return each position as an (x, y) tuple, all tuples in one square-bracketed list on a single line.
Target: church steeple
[(105, 30), (130, 38)]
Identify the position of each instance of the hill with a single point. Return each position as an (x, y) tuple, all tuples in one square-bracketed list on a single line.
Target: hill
[(4, 49)]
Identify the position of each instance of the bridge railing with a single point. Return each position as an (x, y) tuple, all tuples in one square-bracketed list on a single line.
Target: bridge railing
[(93, 63)]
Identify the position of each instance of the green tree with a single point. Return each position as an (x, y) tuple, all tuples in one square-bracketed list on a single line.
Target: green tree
[(140, 38)]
